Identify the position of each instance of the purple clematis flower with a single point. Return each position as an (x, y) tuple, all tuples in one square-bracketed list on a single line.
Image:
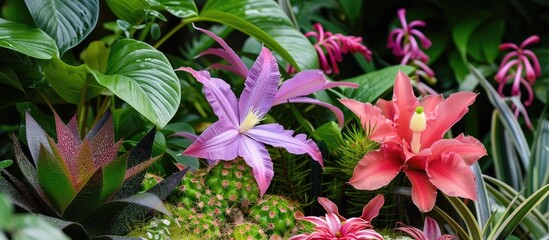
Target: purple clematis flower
[(515, 65), (237, 133), (293, 90)]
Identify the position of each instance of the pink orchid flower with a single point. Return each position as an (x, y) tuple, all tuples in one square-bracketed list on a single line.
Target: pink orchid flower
[(293, 90), (237, 133), (515, 65), (405, 47), (335, 226), (335, 45), (431, 231), (410, 133)]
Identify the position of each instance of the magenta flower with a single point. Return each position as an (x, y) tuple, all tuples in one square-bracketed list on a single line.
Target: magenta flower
[(335, 45), (335, 226), (515, 66), (431, 231), (293, 90), (405, 48), (410, 133), (237, 132)]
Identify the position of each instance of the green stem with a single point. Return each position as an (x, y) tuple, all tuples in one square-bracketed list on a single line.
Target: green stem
[(144, 31), (80, 109), (47, 101), (102, 109), (174, 30)]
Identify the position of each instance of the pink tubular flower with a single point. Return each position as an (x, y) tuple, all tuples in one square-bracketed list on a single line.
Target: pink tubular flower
[(405, 47), (515, 66), (431, 231), (335, 226), (335, 45), (410, 133), (293, 90)]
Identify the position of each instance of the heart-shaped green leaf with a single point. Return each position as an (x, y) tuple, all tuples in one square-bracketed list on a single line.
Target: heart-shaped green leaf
[(264, 20), (142, 76), (27, 40), (66, 21)]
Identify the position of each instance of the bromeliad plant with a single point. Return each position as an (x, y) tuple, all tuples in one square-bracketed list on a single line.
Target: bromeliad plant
[(83, 180)]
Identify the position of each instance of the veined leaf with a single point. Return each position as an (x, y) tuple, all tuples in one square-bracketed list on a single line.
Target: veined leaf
[(372, 85), (142, 76), (131, 11), (264, 20), (66, 21), (180, 8), (27, 40), (55, 179)]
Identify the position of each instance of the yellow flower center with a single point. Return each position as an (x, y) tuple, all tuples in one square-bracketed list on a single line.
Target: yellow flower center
[(250, 121), (418, 123)]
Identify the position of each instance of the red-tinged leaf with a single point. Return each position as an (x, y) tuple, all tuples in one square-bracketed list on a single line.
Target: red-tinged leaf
[(68, 146), (87, 200), (84, 165), (113, 176), (55, 179), (140, 167), (105, 118), (102, 142), (73, 127), (36, 137)]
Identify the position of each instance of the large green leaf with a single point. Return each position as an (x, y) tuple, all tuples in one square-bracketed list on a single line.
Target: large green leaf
[(264, 20), (330, 134), (55, 179), (180, 8), (27, 40), (483, 44), (372, 85), (66, 21), (142, 76), (69, 81), (463, 30), (131, 11), (8, 77)]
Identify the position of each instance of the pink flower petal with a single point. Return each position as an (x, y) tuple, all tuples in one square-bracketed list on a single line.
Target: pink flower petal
[(333, 223), (450, 174), (377, 169), (257, 157), (371, 210), (260, 86), (219, 95), (406, 103), (219, 141), (330, 207), (447, 114), (431, 229), (469, 148), (275, 135), (230, 55), (424, 193), (413, 232), (372, 120)]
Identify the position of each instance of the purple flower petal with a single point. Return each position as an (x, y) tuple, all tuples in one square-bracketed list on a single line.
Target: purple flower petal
[(219, 95), (257, 157), (219, 141), (275, 135), (338, 113), (230, 55), (305, 83), (431, 228), (260, 86)]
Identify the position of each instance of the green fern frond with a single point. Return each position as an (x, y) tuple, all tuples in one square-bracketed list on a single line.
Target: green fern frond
[(292, 175)]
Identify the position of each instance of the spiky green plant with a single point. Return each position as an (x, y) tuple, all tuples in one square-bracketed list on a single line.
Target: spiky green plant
[(247, 231), (234, 181), (275, 214), (82, 182)]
